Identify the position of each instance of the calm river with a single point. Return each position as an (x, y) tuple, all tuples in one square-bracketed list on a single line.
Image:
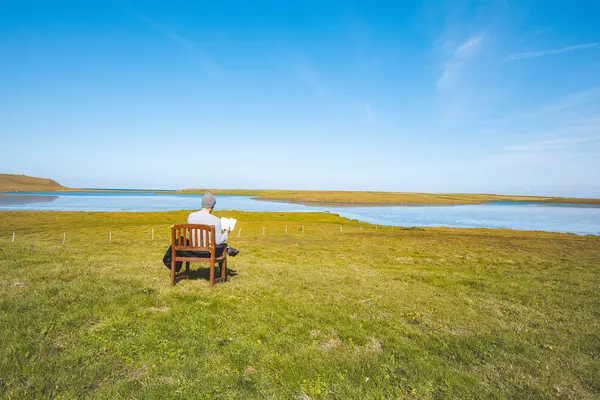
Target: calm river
[(546, 217)]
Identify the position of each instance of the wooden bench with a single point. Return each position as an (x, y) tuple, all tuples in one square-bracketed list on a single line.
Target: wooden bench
[(197, 238)]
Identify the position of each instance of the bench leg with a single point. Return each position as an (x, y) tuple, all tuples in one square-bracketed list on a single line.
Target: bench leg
[(187, 268), (212, 272)]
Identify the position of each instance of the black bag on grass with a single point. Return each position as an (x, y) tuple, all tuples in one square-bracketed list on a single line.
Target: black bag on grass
[(182, 253), (168, 258)]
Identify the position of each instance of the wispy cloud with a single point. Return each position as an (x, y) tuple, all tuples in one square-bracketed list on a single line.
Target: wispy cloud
[(367, 113), (573, 134), (198, 55), (456, 59), (572, 101), (311, 79), (555, 144), (535, 54)]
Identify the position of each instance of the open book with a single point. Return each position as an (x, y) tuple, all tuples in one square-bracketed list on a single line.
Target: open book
[(228, 223)]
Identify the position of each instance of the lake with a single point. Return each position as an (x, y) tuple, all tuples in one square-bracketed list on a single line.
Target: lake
[(579, 219)]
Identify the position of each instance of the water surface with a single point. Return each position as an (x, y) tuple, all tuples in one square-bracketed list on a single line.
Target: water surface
[(580, 219)]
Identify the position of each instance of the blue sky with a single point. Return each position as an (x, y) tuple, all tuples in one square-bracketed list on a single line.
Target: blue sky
[(455, 96)]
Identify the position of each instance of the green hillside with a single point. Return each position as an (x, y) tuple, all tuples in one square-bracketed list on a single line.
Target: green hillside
[(24, 183)]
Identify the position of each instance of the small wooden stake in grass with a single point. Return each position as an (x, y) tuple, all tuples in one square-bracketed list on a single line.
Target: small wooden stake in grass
[(286, 229), (109, 237), (64, 237), (360, 228), (13, 237), (239, 232), (153, 234), (341, 229)]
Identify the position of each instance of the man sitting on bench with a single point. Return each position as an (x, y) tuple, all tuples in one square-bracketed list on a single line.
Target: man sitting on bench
[(205, 217)]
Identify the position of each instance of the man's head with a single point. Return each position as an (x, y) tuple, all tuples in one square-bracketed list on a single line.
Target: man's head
[(208, 201)]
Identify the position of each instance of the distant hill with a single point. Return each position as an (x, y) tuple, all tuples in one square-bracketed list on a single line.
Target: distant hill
[(24, 183)]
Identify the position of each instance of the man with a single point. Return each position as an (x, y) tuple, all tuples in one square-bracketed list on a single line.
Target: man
[(205, 217)]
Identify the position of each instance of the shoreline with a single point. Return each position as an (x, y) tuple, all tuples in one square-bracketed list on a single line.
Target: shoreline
[(350, 223), (406, 204), (436, 199), (347, 204)]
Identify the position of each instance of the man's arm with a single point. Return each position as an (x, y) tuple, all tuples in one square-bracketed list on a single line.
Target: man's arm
[(220, 237)]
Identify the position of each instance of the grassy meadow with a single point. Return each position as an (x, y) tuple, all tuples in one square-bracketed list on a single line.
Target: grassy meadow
[(366, 313)]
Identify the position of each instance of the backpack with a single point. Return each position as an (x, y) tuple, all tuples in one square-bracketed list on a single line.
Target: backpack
[(167, 260)]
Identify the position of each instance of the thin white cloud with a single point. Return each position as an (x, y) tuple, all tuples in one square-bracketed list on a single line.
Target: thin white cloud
[(572, 101), (457, 58), (309, 76), (367, 113), (190, 47), (535, 54), (469, 46), (551, 144)]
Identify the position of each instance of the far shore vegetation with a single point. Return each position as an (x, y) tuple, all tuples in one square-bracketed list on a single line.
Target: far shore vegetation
[(319, 307), (387, 198), (22, 183)]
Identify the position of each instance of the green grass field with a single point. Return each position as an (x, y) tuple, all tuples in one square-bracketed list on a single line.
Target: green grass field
[(369, 313)]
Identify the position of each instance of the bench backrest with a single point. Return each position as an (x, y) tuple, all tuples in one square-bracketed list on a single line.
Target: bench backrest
[(193, 237)]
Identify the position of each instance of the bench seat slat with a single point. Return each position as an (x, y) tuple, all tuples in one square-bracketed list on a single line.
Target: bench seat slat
[(193, 248), (198, 259)]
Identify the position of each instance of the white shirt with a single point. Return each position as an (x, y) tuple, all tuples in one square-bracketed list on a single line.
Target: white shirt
[(204, 218)]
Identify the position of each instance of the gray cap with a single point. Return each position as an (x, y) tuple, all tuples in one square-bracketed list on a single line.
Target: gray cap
[(208, 200)]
